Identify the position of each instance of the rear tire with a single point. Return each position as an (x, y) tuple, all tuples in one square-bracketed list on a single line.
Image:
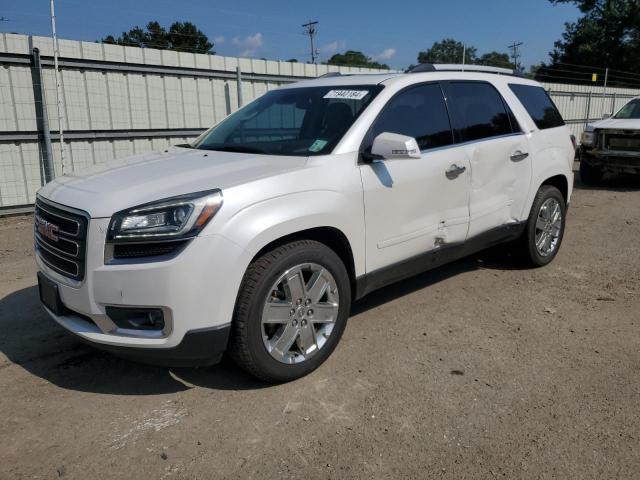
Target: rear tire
[(545, 227), (283, 329), (590, 174)]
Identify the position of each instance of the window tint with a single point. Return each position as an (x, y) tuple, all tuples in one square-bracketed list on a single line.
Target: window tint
[(477, 111), (418, 112), (540, 107)]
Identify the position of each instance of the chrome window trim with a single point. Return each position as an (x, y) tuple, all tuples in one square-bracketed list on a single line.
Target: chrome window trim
[(455, 143)]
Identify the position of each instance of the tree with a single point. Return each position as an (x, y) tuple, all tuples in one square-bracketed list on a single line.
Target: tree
[(534, 69), (448, 51), (181, 36), (354, 58), (607, 35), (186, 37), (495, 59)]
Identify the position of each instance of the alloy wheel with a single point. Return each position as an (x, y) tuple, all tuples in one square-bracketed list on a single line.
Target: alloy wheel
[(548, 227), (299, 313)]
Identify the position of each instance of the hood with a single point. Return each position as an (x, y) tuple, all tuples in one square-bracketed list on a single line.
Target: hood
[(616, 123), (105, 189)]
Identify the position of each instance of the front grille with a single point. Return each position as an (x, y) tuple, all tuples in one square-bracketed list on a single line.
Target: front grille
[(621, 141), (60, 239)]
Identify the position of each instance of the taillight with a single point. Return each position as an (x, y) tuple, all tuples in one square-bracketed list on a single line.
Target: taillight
[(573, 141)]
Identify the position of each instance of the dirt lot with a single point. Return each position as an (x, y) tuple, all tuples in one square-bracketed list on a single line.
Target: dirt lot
[(477, 370)]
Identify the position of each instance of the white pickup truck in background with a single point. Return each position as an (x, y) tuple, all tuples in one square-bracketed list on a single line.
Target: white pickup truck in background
[(612, 145)]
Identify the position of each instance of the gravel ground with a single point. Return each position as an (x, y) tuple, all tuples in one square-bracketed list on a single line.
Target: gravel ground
[(479, 369)]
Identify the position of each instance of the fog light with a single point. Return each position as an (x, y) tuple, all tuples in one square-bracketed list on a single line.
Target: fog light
[(136, 318)]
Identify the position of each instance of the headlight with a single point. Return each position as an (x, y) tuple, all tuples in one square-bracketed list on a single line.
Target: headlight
[(173, 218), (588, 138)]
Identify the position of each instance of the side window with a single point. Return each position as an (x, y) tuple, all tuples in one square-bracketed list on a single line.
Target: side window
[(478, 111), (418, 112), (539, 106)]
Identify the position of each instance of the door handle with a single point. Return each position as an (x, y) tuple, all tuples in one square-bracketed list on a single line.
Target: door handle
[(518, 156), (454, 171)]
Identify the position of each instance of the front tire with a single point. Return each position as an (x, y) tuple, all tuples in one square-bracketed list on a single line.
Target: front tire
[(545, 227), (291, 311)]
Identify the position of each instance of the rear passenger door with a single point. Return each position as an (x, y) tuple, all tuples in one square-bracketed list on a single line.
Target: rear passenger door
[(498, 152), (413, 206)]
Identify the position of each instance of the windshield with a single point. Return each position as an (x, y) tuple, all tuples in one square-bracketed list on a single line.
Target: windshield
[(293, 121), (630, 110)]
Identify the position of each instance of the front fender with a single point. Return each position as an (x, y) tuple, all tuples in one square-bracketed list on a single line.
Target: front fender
[(259, 224)]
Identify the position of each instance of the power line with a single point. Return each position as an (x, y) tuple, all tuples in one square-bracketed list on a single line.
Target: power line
[(311, 30), (515, 54)]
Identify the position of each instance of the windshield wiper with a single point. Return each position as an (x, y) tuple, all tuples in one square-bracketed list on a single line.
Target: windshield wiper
[(232, 148)]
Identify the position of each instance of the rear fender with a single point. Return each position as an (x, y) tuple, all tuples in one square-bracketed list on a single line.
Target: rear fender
[(549, 163)]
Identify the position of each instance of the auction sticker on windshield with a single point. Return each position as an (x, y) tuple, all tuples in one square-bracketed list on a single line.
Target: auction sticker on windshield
[(317, 145), (348, 94)]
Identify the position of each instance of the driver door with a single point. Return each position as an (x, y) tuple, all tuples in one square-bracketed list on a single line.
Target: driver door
[(415, 206)]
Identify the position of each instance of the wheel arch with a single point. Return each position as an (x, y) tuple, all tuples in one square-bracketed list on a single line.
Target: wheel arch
[(332, 237), (560, 180), (561, 183)]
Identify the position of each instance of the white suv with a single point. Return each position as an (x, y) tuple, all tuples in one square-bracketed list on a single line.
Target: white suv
[(256, 238)]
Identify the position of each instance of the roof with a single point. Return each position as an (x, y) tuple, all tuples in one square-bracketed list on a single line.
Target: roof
[(409, 78), (348, 79), (451, 72)]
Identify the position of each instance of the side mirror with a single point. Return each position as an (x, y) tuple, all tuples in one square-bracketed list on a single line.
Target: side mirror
[(391, 146), (606, 115)]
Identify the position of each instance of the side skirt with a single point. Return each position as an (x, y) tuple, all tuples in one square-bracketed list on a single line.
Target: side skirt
[(436, 257)]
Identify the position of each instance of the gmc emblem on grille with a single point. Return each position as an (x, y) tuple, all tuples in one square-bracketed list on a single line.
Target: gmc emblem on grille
[(46, 229)]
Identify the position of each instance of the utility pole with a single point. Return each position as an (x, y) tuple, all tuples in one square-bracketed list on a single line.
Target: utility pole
[(464, 54), (515, 54), (56, 54), (311, 30)]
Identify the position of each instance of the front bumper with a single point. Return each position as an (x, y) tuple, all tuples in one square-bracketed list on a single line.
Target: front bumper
[(198, 348), (196, 290), (618, 161)]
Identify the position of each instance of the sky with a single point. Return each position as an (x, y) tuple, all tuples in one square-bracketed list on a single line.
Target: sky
[(390, 32)]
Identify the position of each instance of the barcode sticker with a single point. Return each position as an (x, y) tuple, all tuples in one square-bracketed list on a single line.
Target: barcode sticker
[(347, 94)]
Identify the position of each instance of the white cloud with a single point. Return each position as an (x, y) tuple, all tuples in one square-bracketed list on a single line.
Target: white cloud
[(218, 40), (333, 47), (249, 45), (386, 54)]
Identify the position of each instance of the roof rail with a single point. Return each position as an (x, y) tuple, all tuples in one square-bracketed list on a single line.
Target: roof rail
[(331, 74), (422, 67), (450, 67)]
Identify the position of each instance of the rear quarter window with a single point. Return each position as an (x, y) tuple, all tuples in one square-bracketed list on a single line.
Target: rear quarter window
[(539, 105)]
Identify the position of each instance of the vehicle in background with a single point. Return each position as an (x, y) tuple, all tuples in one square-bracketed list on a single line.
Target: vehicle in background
[(611, 145), (256, 238)]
